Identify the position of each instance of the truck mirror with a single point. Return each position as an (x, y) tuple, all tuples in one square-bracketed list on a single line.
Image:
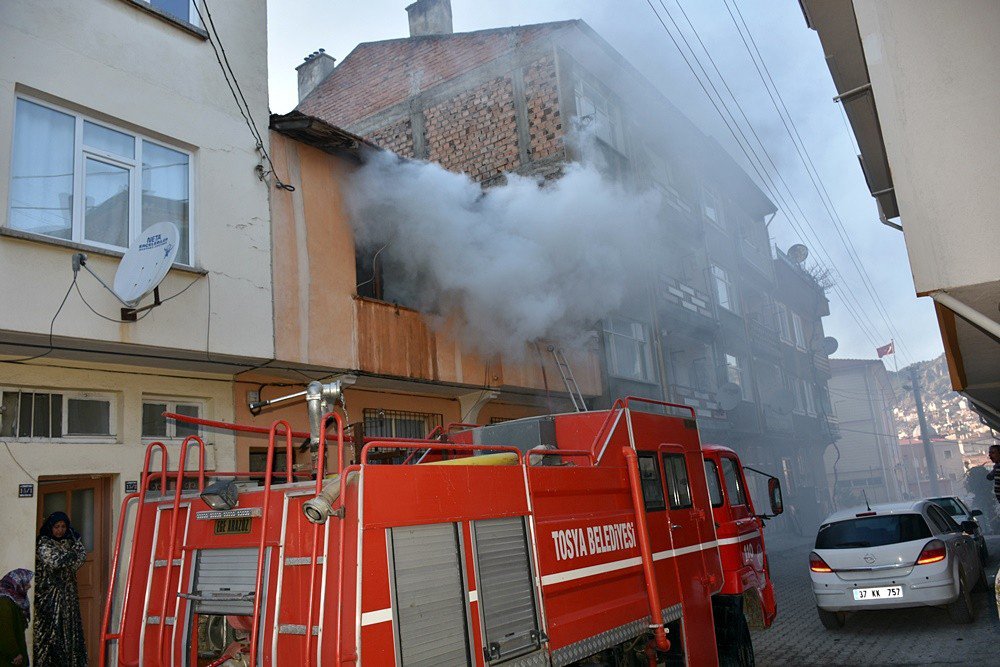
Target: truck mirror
[(774, 494)]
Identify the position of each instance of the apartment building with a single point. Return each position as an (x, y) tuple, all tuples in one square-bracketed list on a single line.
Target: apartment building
[(867, 458), (114, 115), (920, 85), (511, 100)]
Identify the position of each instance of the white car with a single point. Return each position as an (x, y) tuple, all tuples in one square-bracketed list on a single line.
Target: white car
[(890, 556)]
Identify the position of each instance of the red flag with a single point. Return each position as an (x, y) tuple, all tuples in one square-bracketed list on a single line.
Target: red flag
[(886, 350)]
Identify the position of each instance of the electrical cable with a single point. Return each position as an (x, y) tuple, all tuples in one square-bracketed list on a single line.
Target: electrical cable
[(747, 150), (776, 193), (810, 167), (18, 463), (52, 324), (234, 87)]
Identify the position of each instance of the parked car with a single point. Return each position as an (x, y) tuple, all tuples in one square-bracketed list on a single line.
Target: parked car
[(959, 511), (908, 554)]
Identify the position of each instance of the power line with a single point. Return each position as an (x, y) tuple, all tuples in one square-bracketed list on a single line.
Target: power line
[(768, 184), (810, 167), (803, 216), (234, 87)]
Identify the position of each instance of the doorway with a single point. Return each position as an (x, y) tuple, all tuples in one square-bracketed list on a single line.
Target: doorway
[(87, 501)]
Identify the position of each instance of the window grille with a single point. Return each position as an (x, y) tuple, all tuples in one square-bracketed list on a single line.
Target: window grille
[(380, 423)]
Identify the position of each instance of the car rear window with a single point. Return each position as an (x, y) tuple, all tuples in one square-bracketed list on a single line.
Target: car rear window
[(950, 506), (872, 531)]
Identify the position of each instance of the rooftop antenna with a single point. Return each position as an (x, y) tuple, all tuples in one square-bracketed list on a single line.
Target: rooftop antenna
[(141, 270), (864, 492)]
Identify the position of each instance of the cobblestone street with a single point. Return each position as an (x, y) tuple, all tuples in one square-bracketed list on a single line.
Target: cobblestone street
[(902, 637)]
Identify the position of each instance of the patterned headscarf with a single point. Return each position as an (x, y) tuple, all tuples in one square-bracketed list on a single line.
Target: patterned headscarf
[(15, 586), (54, 518)]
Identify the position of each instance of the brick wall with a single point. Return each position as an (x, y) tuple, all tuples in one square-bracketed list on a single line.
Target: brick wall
[(397, 137), (545, 126), (475, 131)]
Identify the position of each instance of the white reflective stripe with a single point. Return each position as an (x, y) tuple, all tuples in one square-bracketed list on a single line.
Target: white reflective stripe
[(741, 538), (570, 575), (373, 617), (474, 596)]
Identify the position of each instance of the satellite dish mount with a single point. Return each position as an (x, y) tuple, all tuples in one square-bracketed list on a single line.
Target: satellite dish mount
[(141, 269)]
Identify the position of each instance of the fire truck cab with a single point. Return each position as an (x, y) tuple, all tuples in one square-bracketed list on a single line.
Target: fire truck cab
[(593, 537)]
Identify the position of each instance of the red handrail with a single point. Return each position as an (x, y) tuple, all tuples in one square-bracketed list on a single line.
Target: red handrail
[(178, 489), (653, 401), (143, 489), (269, 470), (320, 467), (109, 598), (445, 447), (652, 589), (345, 475), (615, 407)]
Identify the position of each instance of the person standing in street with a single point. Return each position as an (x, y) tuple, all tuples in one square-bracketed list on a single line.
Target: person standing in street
[(15, 614), (995, 473), (58, 631)]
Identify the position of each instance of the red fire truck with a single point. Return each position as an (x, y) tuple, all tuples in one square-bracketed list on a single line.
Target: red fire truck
[(605, 537)]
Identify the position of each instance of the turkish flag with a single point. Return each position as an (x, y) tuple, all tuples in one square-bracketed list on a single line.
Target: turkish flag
[(886, 350)]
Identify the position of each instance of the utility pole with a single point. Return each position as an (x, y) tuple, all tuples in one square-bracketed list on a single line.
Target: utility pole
[(924, 432)]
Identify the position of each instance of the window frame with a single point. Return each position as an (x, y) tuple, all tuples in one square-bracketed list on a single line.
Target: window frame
[(651, 505), (731, 295), (67, 396), (719, 221), (784, 328), (81, 152), (737, 480), (192, 20), (711, 464), (584, 83), (172, 403), (799, 332), (669, 459), (728, 368), (808, 389), (643, 349)]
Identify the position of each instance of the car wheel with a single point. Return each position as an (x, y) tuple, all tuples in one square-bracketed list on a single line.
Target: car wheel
[(981, 585), (984, 553), (832, 620), (962, 609)]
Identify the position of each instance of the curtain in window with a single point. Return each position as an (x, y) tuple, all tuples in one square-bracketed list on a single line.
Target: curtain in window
[(41, 192), (165, 193)]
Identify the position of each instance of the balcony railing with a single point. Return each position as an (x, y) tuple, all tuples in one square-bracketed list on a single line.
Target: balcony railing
[(702, 400), (679, 295), (764, 338), (822, 364)]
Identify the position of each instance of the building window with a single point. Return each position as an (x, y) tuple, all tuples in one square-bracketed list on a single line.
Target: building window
[(711, 207), (784, 329), (76, 179), (665, 180), (800, 335), (808, 392), (180, 9), (155, 425), (800, 399), (734, 373), (629, 353), (947, 453), (380, 423), (49, 416), (596, 111), (725, 291)]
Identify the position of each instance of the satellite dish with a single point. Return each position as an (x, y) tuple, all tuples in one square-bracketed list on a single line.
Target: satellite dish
[(781, 401), (798, 253), (146, 263), (729, 396), (828, 345)]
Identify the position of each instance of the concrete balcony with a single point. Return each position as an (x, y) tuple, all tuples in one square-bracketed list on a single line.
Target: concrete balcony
[(681, 303), (822, 364), (764, 339)]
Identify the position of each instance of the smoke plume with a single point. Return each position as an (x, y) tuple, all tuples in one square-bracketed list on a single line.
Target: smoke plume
[(510, 264)]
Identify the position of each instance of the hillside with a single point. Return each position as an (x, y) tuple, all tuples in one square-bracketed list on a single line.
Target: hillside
[(947, 412)]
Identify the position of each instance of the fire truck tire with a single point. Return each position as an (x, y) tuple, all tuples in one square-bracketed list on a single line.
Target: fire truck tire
[(832, 620), (732, 633)]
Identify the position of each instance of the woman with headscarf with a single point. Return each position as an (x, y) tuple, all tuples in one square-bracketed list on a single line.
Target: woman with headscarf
[(58, 632), (14, 617)]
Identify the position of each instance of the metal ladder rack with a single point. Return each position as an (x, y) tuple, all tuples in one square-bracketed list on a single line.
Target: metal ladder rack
[(575, 395)]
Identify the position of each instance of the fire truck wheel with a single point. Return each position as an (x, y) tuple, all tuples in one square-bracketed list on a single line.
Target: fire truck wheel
[(832, 620), (744, 645)]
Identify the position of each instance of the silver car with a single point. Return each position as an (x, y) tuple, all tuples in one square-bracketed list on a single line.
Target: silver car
[(891, 556)]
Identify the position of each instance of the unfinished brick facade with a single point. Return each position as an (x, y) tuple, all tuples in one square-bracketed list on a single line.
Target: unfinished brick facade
[(396, 137), (545, 123), (475, 132)]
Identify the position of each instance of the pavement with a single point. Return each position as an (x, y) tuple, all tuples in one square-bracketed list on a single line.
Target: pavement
[(924, 636)]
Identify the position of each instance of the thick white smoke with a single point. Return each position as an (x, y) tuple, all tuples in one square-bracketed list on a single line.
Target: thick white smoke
[(512, 264)]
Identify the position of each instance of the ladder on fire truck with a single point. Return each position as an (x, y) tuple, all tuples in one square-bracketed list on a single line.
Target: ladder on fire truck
[(575, 395)]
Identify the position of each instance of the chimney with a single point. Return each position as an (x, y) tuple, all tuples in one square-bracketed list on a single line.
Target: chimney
[(317, 66), (430, 17)]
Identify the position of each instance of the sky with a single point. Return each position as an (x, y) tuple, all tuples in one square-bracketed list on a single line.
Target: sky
[(793, 57)]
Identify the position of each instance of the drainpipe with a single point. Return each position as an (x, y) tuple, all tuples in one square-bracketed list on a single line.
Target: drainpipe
[(652, 590), (969, 313)]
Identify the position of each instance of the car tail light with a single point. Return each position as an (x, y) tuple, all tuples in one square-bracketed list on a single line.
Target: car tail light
[(933, 552), (817, 564)]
